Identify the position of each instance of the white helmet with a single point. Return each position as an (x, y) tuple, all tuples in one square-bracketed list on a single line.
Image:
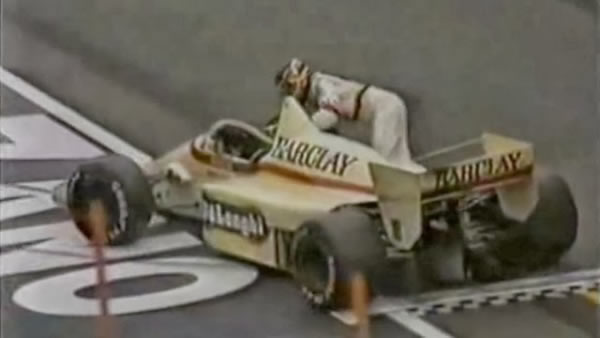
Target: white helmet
[(292, 78)]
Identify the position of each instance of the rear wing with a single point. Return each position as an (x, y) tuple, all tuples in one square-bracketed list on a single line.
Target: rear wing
[(500, 163)]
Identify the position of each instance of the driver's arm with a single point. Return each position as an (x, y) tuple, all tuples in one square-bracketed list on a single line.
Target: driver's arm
[(326, 117)]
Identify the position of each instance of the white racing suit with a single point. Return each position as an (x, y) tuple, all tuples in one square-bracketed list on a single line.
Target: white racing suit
[(336, 98)]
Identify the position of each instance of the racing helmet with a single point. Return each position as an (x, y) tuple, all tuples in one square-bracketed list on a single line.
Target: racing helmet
[(292, 78)]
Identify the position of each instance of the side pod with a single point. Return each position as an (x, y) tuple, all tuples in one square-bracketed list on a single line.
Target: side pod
[(399, 199)]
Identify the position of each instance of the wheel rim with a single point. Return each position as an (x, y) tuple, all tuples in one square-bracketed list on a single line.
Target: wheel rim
[(313, 267), (89, 188)]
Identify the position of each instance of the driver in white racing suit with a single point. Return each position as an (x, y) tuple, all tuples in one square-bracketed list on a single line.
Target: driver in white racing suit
[(332, 98)]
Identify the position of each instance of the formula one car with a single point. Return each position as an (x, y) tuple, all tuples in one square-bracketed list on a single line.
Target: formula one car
[(323, 207)]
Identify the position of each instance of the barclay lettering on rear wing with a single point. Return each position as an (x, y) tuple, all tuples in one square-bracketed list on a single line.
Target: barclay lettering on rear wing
[(478, 172), (312, 156)]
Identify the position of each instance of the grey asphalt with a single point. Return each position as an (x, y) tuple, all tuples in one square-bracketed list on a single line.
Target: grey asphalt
[(521, 68)]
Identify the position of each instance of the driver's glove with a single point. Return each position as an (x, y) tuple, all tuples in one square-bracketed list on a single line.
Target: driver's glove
[(325, 119)]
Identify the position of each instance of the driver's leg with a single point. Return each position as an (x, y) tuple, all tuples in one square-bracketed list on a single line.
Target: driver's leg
[(390, 133)]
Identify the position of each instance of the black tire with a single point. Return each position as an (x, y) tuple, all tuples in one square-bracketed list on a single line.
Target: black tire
[(328, 252), (122, 189), (535, 244), (552, 227)]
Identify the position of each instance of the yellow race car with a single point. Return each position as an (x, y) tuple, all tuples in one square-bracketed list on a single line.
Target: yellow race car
[(323, 207)]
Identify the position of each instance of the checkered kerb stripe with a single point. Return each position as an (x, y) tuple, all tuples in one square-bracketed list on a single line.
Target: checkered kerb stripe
[(503, 298)]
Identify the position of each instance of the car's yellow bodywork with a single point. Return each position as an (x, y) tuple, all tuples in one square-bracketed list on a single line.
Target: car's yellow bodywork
[(306, 173)]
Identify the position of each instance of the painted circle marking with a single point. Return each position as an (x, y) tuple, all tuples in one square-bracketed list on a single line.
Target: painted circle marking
[(213, 278)]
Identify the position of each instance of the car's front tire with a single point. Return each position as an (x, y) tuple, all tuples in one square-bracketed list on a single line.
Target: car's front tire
[(117, 184)]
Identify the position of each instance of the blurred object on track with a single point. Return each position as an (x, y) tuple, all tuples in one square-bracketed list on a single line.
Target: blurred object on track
[(98, 223), (360, 305)]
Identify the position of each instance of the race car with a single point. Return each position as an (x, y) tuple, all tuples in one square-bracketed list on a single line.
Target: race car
[(322, 207)]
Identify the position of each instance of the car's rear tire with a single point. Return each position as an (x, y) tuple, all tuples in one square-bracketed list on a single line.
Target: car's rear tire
[(119, 185), (535, 244), (328, 252), (549, 231), (552, 226)]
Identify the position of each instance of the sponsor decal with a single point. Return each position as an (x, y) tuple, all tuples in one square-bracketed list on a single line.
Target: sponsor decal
[(312, 156), (473, 173), (247, 223)]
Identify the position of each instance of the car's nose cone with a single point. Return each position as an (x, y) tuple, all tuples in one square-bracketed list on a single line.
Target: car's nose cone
[(60, 194)]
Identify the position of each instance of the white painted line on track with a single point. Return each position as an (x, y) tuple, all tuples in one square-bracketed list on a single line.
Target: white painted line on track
[(71, 117), (38, 233), (409, 310), (417, 325), (71, 250), (65, 143), (495, 293), (500, 293), (411, 322)]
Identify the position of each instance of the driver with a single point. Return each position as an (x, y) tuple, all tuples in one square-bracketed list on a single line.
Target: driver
[(332, 98)]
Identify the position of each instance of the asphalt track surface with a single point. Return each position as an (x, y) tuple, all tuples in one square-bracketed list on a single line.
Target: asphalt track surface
[(521, 68)]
